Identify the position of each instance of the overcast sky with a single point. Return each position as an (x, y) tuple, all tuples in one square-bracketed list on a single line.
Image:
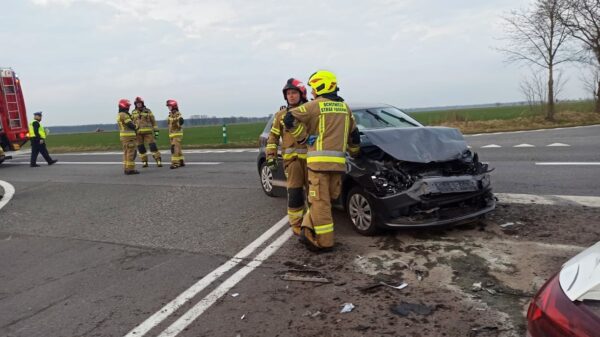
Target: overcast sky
[(77, 58)]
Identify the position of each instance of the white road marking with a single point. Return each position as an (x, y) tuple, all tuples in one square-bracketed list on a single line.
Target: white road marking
[(512, 198), (524, 145), (558, 145), (191, 315), (9, 191), (491, 146), (584, 163), (110, 163), (188, 294), (165, 152), (537, 130)]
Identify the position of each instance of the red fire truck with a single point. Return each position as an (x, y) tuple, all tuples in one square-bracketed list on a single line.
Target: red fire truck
[(13, 116)]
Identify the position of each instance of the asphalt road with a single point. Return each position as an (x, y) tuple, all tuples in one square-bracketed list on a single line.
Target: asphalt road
[(87, 251)]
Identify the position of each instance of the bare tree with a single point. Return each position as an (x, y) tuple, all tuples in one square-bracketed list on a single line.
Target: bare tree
[(537, 37), (583, 22), (535, 91), (591, 83)]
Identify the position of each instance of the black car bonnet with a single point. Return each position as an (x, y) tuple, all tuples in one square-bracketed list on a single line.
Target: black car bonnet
[(419, 144)]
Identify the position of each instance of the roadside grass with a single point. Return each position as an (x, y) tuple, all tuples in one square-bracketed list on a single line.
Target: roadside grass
[(238, 135), (513, 118), (480, 120)]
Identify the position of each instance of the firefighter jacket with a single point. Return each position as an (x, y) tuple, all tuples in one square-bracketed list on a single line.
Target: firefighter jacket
[(144, 120), (332, 123), (290, 148), (175, 121), (126, 125), (36, 130)]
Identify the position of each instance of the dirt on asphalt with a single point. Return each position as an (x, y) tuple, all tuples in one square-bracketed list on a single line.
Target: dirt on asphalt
[(466, 281)]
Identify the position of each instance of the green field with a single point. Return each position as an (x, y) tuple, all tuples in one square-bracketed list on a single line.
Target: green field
[(495, 113), (238, 135), (501, 118)]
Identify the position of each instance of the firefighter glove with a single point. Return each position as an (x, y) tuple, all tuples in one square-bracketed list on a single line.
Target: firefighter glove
[(355, 137), (288, 120), (156, 134), (272, 164)]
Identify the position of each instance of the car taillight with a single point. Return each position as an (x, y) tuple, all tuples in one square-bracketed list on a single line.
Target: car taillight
[(552, 314), (21, 135)]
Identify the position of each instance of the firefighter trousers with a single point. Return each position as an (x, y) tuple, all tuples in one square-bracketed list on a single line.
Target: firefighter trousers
[(176, 154), (296, 176), (147, 138), (128, 153), (317, 225)]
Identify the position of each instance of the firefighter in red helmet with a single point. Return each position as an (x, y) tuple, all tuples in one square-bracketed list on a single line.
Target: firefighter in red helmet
[(293, 153), (127, 134), (175, 121), (147, 131)]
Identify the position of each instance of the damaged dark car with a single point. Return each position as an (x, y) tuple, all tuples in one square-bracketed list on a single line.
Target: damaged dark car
[(408, 175)]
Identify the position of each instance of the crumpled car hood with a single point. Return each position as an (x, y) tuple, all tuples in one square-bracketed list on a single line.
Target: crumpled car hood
[(419, 144), (580, 276)]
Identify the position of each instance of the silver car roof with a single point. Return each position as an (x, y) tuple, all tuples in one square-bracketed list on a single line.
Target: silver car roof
[(580, 276)]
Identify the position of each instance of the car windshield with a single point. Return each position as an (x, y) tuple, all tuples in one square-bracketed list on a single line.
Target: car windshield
[(386, 117)]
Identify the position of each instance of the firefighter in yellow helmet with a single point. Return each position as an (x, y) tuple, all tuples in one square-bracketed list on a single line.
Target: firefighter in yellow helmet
[(128, 136), (293, 153), (175, 121), (147, 131), (330, 132)]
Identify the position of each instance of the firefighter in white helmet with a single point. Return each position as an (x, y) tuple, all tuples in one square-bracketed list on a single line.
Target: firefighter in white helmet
[(175, 121), (293, 153), (331, 132), (147, 131)]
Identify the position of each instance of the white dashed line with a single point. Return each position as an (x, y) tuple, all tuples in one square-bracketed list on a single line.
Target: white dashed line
[(524, 145), (558, 145), (568, 163), (491, 146)]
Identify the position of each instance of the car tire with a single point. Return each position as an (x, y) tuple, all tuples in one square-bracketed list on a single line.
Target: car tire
[(361, 213), (266, 179)]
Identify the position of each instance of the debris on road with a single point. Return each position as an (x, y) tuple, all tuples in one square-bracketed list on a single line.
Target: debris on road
[(477, 286), (405, 308), (243, 316), (235, 295), (399, 287), (347, 307), (508, 224), (313, 279)]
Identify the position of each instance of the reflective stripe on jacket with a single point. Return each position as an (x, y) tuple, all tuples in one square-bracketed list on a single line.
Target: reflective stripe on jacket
[(144, 120), (331, 122), (175, 129), (123, 118), (290, 148)]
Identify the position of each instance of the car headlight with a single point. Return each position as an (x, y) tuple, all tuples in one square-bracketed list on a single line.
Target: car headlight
[(486, 180)]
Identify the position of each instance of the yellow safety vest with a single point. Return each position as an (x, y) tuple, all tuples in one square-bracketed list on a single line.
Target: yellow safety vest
[(41, 131)]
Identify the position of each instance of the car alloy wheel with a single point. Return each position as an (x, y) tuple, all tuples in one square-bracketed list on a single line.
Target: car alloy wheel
[(266, 179), (361, 212)]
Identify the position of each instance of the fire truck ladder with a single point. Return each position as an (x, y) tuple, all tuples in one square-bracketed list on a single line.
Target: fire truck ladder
[(9, 90)]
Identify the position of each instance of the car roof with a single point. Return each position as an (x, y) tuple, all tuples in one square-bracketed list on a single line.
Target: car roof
[(366, 105), (580, 276)]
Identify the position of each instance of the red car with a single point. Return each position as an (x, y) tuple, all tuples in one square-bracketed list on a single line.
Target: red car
[(568, 305)]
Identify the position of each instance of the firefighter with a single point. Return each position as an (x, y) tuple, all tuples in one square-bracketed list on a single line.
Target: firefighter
[(147, 131), (127, 136), (330, 133), (175, 121), (37, 137), (293, 153)]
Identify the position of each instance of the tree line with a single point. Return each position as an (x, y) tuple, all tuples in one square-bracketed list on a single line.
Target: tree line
[(549, 33)]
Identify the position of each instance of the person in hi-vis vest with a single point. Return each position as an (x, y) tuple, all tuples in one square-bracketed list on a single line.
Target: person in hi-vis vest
[(37, 137)]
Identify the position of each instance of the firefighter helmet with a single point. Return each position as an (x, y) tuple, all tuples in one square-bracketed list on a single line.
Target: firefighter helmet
[(293, 83), (323, 82), (124, 104), (172, 103), (139, 100)]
